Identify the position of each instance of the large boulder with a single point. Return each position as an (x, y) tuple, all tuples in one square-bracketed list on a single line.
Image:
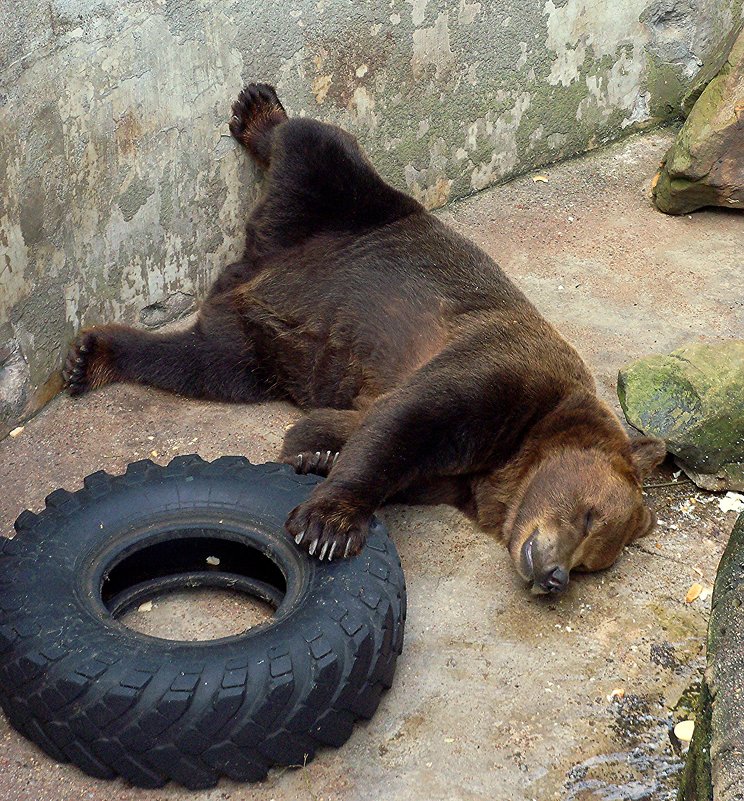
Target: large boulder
[(693, 399), (715, 761), (705, 165)]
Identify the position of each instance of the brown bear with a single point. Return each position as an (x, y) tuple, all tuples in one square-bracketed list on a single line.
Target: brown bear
[(428, 376)]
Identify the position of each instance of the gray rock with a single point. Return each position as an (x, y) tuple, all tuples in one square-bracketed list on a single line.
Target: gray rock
[(693, 399), (14, 378), (173, 307), (727, 477)]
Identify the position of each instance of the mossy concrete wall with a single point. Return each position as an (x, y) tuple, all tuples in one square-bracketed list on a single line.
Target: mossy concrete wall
[(121, 194)]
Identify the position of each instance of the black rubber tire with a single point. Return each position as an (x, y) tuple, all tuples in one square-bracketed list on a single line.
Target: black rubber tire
[(91, 691)]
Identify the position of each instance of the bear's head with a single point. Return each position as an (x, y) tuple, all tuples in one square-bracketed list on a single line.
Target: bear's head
[(576, 509)]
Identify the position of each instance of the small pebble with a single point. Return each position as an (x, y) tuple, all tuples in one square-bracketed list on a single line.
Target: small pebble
[(684, 729), (145, 607), (213, 560), (16, 432), (693, 593)]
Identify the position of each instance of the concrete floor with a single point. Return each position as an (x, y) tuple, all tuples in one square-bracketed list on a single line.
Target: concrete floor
[(498, 695)]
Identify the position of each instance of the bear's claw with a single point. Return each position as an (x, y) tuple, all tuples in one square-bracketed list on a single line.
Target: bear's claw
[(87, 365), (328, 526), (75, 367), (320, 462)]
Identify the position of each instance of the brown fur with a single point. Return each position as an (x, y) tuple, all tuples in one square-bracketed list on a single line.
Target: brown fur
[(419, 361)]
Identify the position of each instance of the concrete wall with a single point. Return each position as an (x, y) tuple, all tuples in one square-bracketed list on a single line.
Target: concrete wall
[(121, 194)]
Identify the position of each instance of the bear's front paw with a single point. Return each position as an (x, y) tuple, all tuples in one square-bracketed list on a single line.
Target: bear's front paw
[(88, 364), (328, 527), (319, 462)]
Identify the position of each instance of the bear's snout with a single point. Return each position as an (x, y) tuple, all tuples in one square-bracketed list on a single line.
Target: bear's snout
[(546, 576), (553, 580)]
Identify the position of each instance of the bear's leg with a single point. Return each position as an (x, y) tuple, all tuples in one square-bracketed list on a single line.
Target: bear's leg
[(314, 443), (450, 490), (405, 439), (255, 114), (318, 179), (213, 359), (424, 430)]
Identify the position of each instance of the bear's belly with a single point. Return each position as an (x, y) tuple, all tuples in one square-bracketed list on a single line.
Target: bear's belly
[(342, 318), (341, 350)]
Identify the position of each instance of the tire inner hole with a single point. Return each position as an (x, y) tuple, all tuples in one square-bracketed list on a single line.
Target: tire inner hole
[(194, 588)]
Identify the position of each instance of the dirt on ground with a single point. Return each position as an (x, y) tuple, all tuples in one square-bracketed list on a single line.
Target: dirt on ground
[(498, 694)]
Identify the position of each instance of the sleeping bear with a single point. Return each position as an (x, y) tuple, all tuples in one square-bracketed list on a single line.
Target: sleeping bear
[(427, 376)]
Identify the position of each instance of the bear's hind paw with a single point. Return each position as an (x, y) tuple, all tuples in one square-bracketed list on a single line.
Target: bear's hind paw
[(256, 109)]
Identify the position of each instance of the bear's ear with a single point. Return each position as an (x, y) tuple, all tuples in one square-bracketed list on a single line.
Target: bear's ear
[(647, 453), (649, 522)]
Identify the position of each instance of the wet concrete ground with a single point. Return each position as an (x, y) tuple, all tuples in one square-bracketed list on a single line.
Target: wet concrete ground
[(499, 695)]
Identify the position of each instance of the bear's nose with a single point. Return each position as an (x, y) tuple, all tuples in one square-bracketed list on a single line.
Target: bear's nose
[(554, 580)]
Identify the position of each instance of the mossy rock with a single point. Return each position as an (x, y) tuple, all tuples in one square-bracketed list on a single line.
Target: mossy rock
[(705, 165), (696, 783), (693, 399), (715, 761)]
